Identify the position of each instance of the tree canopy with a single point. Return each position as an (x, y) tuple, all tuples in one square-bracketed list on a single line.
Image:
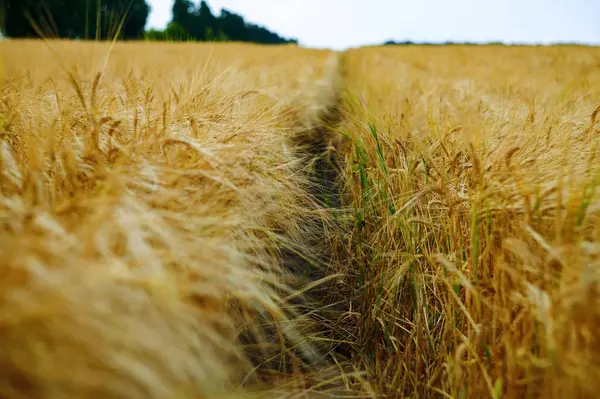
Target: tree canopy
[(126, 19), (201, 24), (75, 19)]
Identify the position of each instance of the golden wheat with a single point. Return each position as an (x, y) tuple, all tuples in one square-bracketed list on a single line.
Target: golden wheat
[(147, 194), (474, 256), (149, 200)]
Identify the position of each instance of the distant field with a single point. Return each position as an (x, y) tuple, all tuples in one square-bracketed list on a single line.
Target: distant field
[(167, 212)]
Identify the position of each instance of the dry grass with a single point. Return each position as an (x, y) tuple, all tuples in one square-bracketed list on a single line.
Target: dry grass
[(146, 201), (475, 251)]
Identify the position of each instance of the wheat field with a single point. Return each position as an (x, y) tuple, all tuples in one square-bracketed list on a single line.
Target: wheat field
[(147, 199), (167, 212), (474, 254)]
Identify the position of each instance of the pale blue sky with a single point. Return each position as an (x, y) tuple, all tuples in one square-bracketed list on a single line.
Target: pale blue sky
[(341, 24)]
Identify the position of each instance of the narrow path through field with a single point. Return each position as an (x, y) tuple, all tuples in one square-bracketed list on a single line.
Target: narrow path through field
[(323, 149)]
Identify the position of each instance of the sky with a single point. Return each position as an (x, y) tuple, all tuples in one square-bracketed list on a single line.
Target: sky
[(341, 24)]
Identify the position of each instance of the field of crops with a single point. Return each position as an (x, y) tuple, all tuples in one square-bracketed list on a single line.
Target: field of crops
[(204, 220), (476, 242)]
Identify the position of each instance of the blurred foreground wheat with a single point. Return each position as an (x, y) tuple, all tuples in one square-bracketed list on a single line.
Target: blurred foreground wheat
[(146, 195)]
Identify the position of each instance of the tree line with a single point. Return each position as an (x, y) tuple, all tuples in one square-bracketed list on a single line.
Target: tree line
[(446, 43), (75, 19), (126, 20), (192, 22)]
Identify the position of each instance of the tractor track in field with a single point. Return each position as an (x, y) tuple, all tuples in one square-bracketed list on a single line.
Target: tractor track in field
[(322, 149)]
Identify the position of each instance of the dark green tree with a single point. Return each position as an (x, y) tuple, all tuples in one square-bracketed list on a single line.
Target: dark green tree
[(204, 21), (136, 15), (17, 12), (233, 25), (237, 29), (100, 19), (183, 13), (201, 24), (173, 33), (176, 32)]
